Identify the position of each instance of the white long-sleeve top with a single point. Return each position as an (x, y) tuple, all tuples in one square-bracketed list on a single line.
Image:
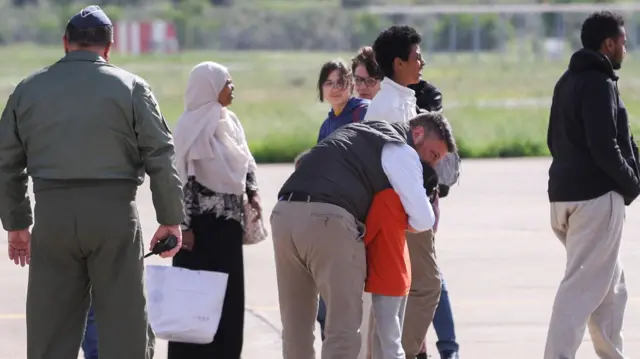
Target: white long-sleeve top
[(393, 103), (401, 163), (403, 168)]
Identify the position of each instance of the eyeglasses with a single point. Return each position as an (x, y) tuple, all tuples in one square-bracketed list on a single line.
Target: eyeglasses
[(335, 85), (369, 81)]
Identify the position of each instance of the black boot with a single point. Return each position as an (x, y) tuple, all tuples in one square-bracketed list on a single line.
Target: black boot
[(449, 354)]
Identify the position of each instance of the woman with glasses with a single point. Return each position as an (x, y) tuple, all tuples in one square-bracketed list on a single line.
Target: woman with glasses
[(335, 86), (367, 74)]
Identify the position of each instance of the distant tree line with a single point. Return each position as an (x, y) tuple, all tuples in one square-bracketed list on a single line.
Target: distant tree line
[(217, 24), (19, 3), (345, 3)]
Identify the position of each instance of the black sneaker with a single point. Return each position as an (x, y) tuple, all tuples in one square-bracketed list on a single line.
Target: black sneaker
[(449, 355)]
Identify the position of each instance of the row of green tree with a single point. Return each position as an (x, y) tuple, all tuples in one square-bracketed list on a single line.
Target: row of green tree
[(202, 25), (344, 3), (110, 2)]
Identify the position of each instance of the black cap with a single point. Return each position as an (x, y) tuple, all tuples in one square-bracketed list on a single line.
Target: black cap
[(90, 17)]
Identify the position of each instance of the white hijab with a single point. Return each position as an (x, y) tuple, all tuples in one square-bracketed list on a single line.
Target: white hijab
[(209, 140)]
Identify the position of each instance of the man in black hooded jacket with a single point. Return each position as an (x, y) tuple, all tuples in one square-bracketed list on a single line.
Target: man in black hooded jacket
[(429, 98), (593, 175)]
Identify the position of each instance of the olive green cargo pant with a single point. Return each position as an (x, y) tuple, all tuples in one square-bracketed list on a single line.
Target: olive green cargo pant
[(86, 238)]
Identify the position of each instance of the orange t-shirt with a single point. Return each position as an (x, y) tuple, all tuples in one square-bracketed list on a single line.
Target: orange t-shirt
[(388, 264)]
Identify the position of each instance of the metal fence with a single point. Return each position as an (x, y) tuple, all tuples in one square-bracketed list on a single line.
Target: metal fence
[(519, 33), (510, 32)]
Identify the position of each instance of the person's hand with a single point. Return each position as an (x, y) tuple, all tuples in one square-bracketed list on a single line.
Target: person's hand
[(19, 243), (188, 240), (257, 206), (164, 232)]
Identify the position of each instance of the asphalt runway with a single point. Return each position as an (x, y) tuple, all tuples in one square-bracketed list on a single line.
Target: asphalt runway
[(498, 255)]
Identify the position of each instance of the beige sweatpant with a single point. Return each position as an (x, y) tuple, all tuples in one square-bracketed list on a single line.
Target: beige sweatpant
[(593, 290)]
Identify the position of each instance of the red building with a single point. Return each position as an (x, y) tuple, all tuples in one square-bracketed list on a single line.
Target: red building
[(143, 37)]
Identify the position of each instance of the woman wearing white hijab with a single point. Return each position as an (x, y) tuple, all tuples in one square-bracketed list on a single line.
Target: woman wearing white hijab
[(217, 169)]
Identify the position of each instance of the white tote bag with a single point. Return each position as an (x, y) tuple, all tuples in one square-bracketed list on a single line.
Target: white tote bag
[(184, 305)]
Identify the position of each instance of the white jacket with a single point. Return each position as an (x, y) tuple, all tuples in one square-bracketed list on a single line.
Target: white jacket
[(393, 103)]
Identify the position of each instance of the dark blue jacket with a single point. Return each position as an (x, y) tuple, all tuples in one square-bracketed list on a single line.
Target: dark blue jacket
[(354, 111)]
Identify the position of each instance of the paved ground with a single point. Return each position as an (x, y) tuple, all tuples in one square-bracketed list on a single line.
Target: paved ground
[(500, 260)]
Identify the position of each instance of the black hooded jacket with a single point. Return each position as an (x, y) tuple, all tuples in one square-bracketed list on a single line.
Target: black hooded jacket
[(429, 98), (589, 136)]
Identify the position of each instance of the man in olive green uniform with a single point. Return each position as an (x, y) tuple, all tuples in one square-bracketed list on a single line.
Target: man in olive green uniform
[(86, 132)]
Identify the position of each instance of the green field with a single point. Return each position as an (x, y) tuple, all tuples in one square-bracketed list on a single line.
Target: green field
[(498, 106)]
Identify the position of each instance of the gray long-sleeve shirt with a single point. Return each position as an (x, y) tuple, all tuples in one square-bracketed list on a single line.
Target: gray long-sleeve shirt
[(84, 119)]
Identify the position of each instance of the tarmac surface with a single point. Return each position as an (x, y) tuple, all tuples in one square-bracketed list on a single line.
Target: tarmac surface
[(499, 257)]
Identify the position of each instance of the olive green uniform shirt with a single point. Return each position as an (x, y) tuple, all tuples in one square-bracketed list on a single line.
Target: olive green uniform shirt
[(85, 119)]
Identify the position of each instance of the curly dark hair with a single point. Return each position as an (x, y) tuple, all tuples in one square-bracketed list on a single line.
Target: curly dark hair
[(366, 57), (434, 123), (393, 42), (327, 69), (599, 26)]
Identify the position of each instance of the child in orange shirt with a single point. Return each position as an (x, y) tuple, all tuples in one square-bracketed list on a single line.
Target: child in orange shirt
[(388, 271), (388, 264)]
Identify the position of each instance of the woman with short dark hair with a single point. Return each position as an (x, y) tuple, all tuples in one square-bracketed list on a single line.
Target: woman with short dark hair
[(335, 85), (366, 72)]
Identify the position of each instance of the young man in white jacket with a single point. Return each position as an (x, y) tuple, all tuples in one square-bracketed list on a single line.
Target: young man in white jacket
[(397, 52)]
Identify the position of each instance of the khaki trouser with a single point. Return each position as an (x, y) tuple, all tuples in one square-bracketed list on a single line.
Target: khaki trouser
[(87, 237), (593, 290), (425, 291), (318, 247)]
